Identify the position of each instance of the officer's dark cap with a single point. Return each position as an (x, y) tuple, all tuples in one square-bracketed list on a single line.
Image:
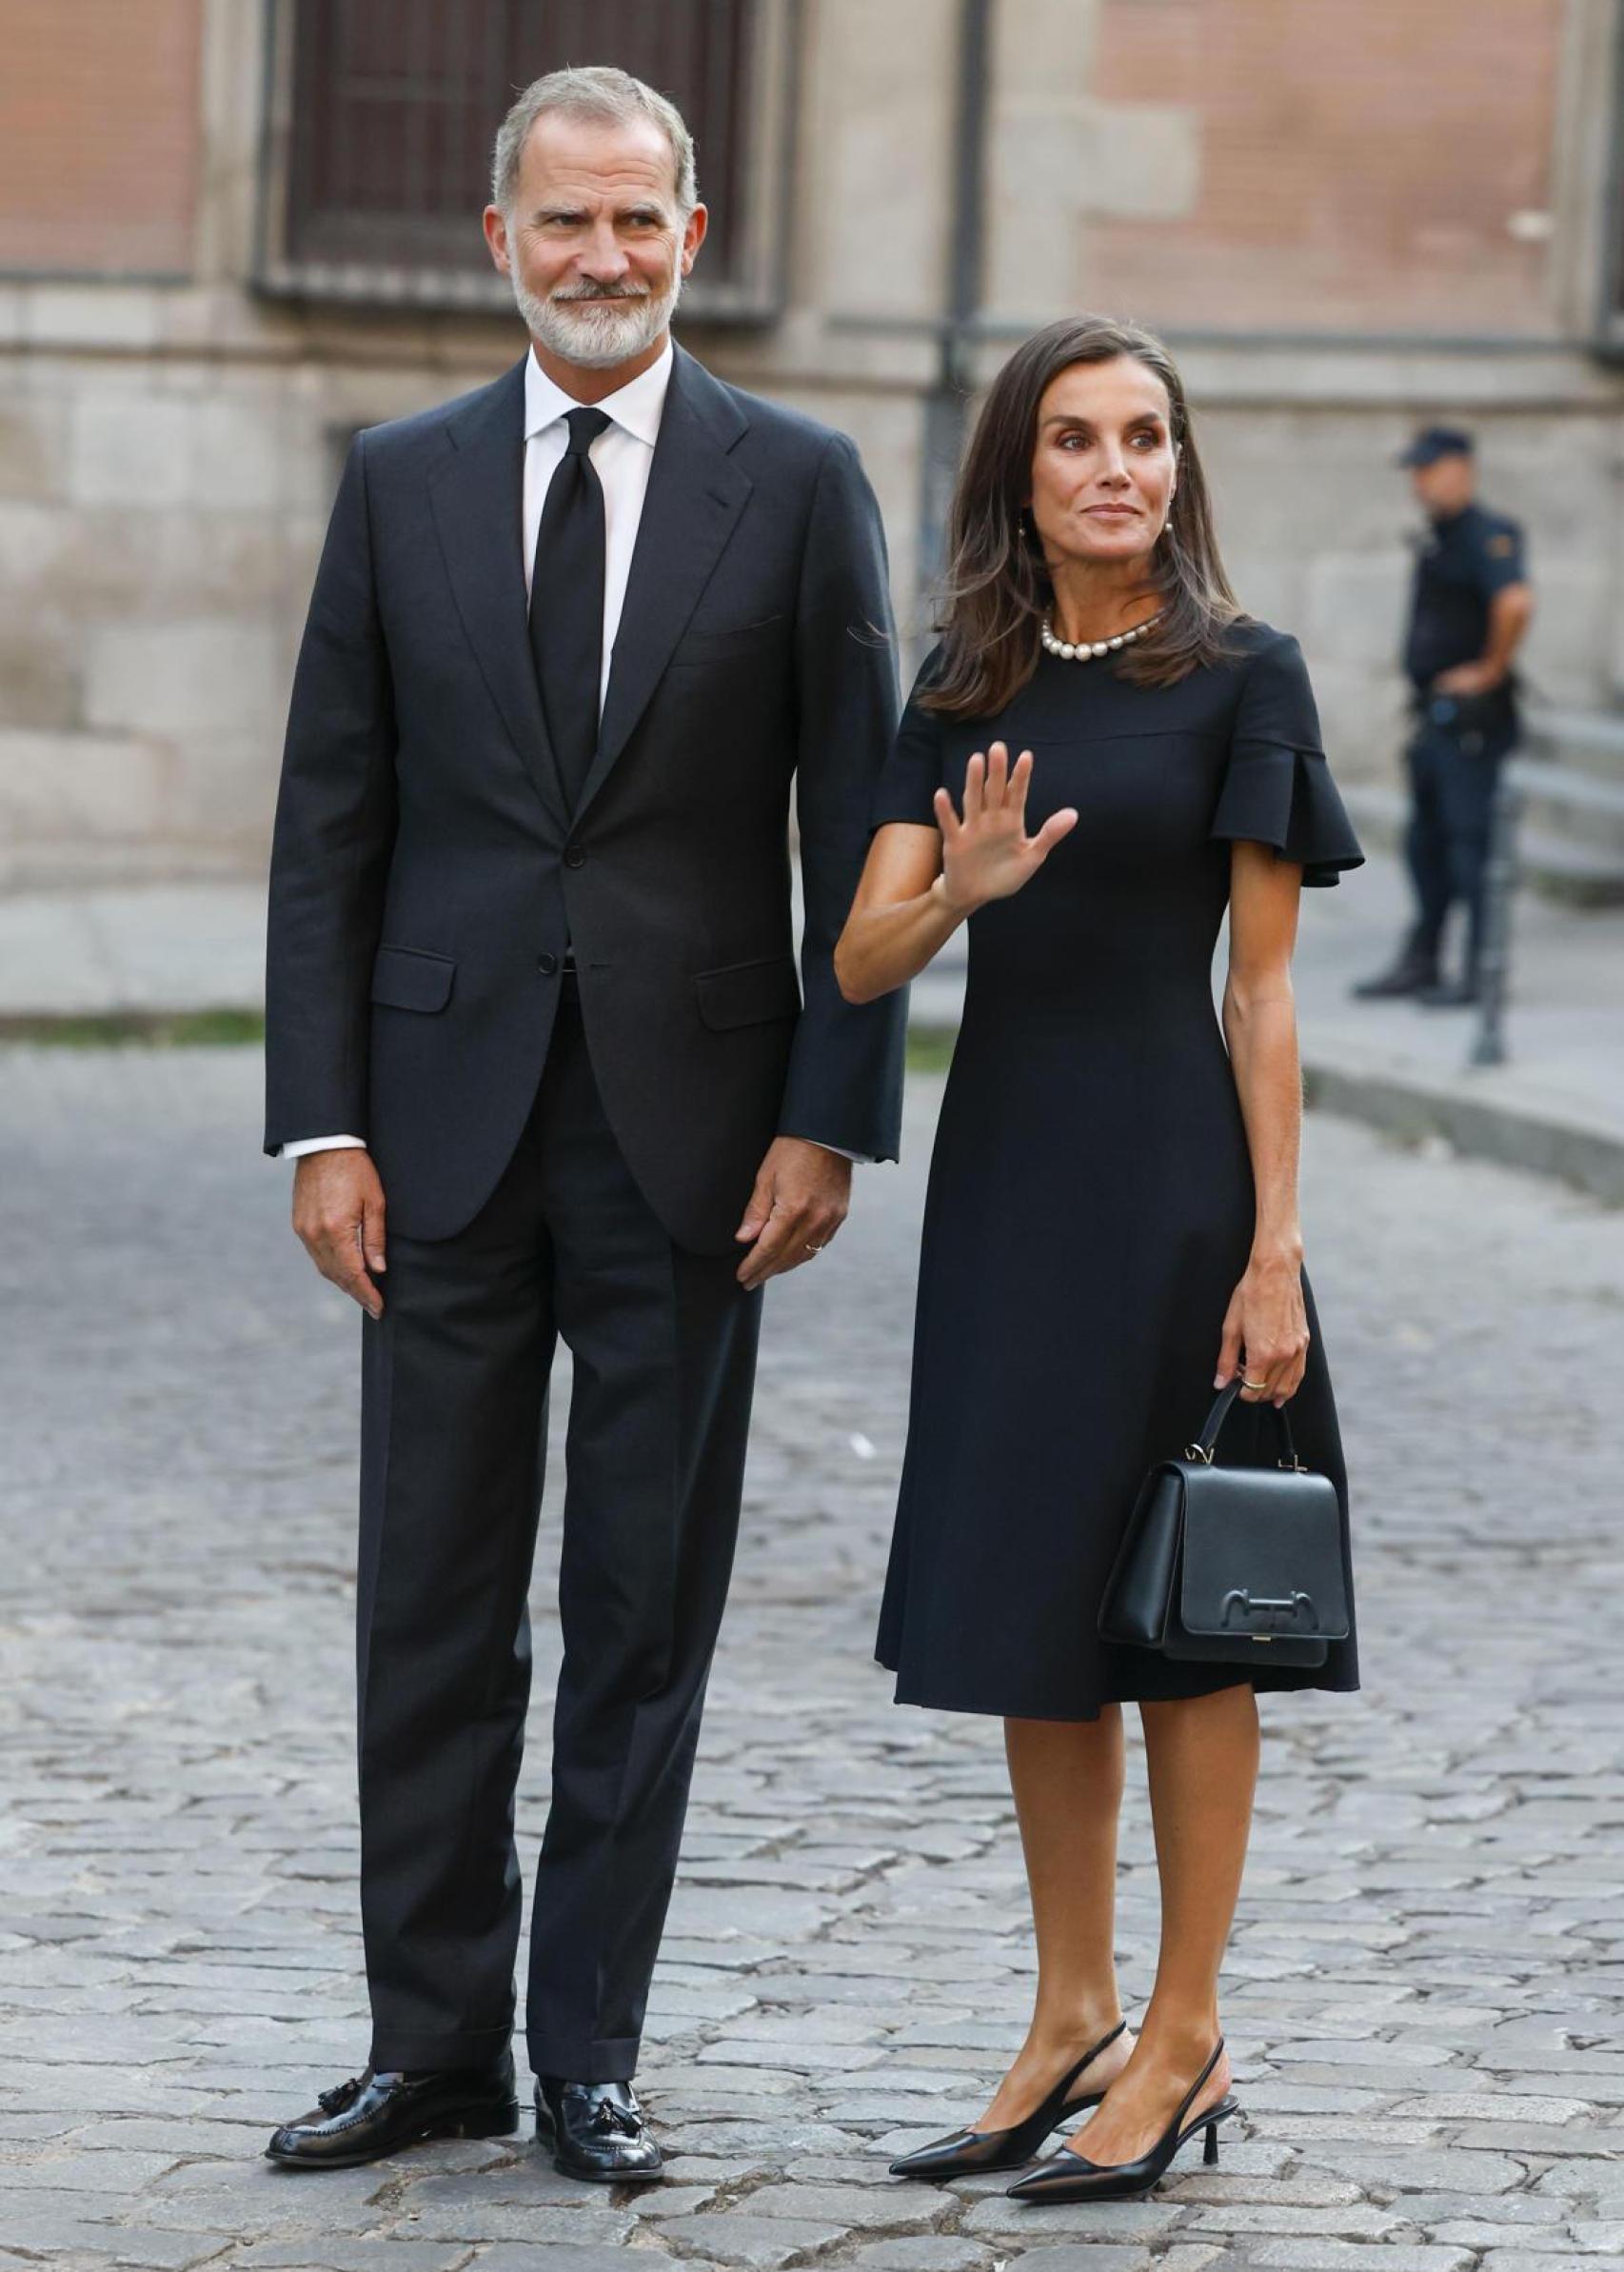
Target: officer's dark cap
[(1435, 442)]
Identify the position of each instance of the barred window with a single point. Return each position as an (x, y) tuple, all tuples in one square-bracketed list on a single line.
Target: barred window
[(380, 117)]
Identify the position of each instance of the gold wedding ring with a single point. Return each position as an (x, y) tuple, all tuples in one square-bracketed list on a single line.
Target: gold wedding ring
[(1247, 1384), (811, 1249)]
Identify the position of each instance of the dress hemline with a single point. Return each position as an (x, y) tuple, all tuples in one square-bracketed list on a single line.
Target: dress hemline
[(1276, 1683)]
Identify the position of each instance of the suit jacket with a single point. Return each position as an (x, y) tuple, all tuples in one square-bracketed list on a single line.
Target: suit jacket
[(426, 873)]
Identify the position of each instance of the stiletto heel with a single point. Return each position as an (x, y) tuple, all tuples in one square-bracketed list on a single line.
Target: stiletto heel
[(966, 2151), (1069, 2176)]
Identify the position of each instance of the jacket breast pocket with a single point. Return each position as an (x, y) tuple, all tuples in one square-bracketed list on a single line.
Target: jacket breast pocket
[(748, 993), (413, 978), (767, 633)]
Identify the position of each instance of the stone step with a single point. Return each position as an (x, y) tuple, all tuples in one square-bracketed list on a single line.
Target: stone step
[(1588, 740), (1560, 867), (1586, 809)]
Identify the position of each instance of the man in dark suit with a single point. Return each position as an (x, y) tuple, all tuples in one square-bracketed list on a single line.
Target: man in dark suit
[(531, 983)]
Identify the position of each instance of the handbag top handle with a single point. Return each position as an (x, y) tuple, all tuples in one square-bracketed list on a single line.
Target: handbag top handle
[(1206, 1442)]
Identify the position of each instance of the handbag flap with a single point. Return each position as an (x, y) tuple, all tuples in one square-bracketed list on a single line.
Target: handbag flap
[(1261, 1553)]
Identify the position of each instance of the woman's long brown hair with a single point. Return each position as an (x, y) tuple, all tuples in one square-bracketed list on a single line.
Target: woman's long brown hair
[(997, 587)]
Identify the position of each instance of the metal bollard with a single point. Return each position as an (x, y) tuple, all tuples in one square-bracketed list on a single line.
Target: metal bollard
[(1493, 961)]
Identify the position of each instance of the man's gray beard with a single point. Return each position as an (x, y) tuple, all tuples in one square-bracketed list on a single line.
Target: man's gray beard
[(596, 334)]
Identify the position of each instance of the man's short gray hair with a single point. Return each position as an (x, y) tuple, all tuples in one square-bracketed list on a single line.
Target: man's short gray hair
[(604, 95)]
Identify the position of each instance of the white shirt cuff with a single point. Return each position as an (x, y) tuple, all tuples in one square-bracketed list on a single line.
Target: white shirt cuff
[(321, 1144), (337, 1144)]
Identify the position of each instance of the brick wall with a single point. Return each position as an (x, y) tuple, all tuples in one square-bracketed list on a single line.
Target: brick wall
[(98, 135), (1356, 163)]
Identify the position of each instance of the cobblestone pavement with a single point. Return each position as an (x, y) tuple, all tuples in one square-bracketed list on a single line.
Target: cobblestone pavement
[(1423, 1991)]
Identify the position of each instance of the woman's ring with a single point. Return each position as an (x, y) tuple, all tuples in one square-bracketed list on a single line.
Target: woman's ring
[(811, 1249), (1247, 1384)]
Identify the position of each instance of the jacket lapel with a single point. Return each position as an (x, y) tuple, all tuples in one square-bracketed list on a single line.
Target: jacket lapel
[(477, 494), (694, 498)]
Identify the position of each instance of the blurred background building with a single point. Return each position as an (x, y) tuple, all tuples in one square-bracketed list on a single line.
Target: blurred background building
[(231, 231)]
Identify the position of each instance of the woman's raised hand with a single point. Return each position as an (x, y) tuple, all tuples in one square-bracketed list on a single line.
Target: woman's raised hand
[(987, 854)]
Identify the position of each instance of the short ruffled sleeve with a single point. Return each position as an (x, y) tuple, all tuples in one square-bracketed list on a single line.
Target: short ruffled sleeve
[(1277, 787), (911, 773)]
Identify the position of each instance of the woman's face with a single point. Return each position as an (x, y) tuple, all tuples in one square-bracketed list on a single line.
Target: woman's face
[(1104, 463)]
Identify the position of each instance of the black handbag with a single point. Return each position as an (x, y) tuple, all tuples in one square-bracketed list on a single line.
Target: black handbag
[(1237, 1563)]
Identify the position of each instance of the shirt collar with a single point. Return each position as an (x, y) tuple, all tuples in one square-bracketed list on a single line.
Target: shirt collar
[(637, 406)]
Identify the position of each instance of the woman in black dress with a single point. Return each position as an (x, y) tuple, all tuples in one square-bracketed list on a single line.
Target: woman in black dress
[(1101, 755)]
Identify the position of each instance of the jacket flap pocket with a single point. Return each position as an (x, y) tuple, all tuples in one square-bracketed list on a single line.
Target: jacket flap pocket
[(705, 646), (748, 993), (411, 978)]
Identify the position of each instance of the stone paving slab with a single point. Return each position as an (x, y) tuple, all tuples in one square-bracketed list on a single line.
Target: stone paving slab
[(1424, 1988), (185, 945)]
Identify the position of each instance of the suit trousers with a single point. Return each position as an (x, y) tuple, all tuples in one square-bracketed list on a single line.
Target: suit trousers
[(1453, 782), (454, 1404)]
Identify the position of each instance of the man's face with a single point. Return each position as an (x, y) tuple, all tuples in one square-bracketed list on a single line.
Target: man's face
[(1447, 484), (594, 244)]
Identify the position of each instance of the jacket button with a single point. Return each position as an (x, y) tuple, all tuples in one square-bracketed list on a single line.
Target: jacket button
[(547, 966), (575, 855)]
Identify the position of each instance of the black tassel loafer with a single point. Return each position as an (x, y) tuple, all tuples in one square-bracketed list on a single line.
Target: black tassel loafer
[(379, 2113), (596, 2131), (967, 2151), (1069, 2176)]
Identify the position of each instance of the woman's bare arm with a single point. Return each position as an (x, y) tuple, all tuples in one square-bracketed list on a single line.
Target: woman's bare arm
[(918, 884), (898, 919), (1266, 1318)]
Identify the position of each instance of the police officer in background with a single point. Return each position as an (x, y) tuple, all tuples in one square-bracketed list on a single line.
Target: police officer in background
[(1469, 609)]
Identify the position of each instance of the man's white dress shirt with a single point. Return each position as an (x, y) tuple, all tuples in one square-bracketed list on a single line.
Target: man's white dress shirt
[(621, 456)]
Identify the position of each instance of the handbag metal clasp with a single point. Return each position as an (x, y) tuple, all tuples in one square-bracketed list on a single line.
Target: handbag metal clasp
[(1293, 1466), (1198, 1451), (1278, 1608)]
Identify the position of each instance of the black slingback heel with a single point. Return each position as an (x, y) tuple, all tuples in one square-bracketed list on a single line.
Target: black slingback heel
[(966, 2151), (1070, 2176)]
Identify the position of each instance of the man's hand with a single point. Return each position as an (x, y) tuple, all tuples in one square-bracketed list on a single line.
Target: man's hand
[(1468, 678), (338, 1212), (800, 1201)]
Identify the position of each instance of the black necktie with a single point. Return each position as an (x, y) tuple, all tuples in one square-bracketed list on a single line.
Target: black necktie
[(567, 603)]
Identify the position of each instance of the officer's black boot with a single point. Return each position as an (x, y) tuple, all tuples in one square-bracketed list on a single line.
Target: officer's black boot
[(1450, 994), (1415, 972)]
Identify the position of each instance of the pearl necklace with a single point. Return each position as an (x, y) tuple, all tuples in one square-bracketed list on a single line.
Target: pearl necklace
[(1084, 650)]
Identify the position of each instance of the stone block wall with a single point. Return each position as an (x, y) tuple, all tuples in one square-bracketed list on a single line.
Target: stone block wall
[(158, 520), (169, 443)]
